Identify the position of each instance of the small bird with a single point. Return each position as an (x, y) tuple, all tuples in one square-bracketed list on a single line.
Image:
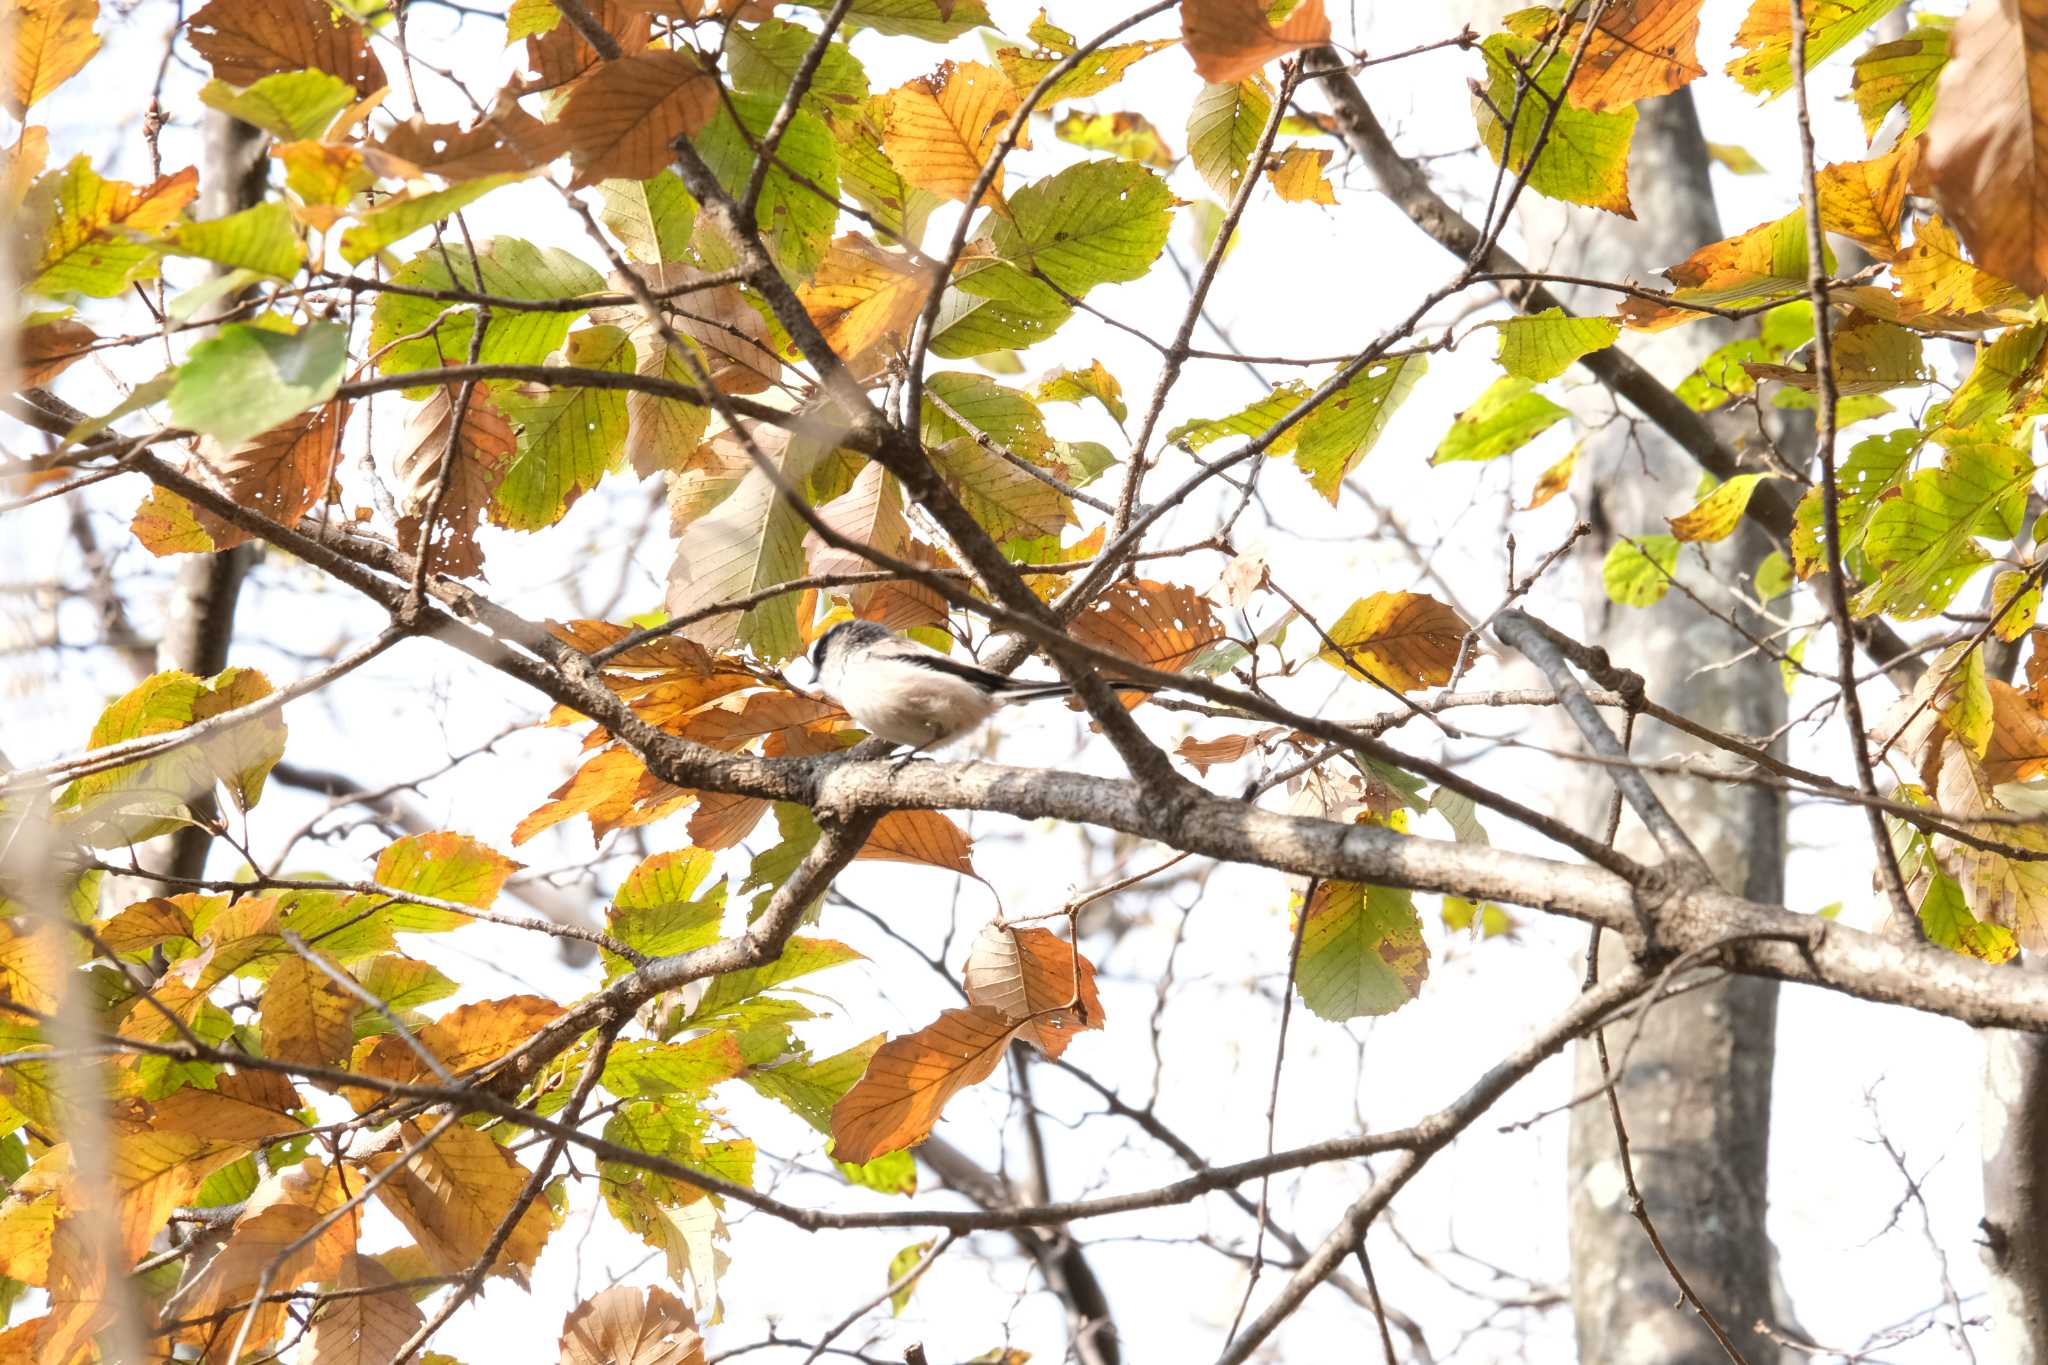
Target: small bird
[(902, 691)]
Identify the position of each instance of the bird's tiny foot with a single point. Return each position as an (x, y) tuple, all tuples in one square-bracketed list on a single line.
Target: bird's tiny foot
[(912, 757)]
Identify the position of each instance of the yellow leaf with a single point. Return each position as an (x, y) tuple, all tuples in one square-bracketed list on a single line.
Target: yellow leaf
[(50, 40), (1935, 281), (1553, 480), (1406, 640), (1641, 49), (943, 127), (2018, 747), (909, 1080), (1231, 39), (307, 1016), (1863, 200), (1299, 178), (1718, 514)]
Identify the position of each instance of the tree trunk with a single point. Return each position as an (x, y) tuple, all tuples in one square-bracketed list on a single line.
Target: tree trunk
[(2014, 1125), (199, 620), (1696, 1093)]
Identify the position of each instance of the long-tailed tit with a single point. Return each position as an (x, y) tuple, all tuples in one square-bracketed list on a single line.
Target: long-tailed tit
[(899, 690)]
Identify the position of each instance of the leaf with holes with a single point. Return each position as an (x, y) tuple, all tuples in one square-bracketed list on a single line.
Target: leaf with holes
[(1405, 640)]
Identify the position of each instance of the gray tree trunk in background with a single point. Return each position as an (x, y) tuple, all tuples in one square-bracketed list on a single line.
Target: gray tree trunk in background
[(1696, 1095), (2014, 1125), (199, 618)]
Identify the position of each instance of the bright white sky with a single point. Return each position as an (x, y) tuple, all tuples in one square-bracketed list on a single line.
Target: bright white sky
[(1306, 281)]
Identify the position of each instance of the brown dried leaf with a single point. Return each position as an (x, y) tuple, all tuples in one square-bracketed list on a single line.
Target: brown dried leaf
[(246, 40), (668, 652), (453, 1196), (1987, 144), (621, 118), (284, 1209), (283, 473), (2018, 750), (1035, 979), (627, 1326), (909, 1080), (49, 348), (367, 1329), (307, 1016), (486, 446), (723, 819), (560, 55), (1230, 39)]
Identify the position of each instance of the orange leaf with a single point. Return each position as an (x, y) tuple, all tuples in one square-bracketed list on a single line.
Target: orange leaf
[(50, 39), (862, 296), (621, 118), (663, 652), (1230, 39), (560, 55), (246, 40), (2018, 749), (920, 836), (1987, 144), (283, 473), (1553, 480), (1162, 625), (463, 1039), (506, 139), (1035, 979), (1643, 48), (23, 162), (283, 1211), (723, 819), (909, 1080), (943, 127), (627, 1326)]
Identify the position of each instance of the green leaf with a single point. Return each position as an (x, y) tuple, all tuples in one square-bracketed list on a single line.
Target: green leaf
[(751, 541), (926, 19), (290, 105), (1249, 422), (448, 867), (1003, 414), (1332, 440), (772, 867), (1923, 541), (900, 1265), (399, 218), (1763, 63), (261, 239), (1584, 159), (654, 910), (900, 209), (796, 217), (401, 982), (652, 219), (1008, 502), (800, 957), (86, 235), (569, 437), (1361, 951), (640, 1068), (1773, 577), (1101, 222), (505, 266), (1507, 417), (1224, 129), (246, 379), (1075, 386), (1637, 572), (1095, 73), (1902, 73), (994, 306), (1543, 346), (889, 1173), (1875, 466), (1946, 917), (763, 60), (809, 1089), (1130, 136), (2004, 373)]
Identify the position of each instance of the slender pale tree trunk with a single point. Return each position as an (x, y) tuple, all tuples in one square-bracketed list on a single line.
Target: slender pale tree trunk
[(2014, 1124), (1696, 1093)]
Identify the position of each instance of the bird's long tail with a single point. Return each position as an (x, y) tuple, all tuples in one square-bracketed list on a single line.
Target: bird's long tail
[(1040, 691)]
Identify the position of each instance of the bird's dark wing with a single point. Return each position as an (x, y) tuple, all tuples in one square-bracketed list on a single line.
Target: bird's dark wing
[(980, 677)]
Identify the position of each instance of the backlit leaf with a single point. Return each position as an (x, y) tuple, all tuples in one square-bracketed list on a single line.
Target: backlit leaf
[(1037, 980), (863, 296), (568, 437), (910, 1079), (622, 117), (245, 379), (1507, 417), (1924, 541), (1299, 178), (1716, 516), (1583, 160), (246, 40), (1637, 572), (49, 40), (1232, 39), (1361, 951), (1406, 640), (1987, 142), (1101, 222), (628, 1326), (943, 128), (1333, 439), (1902, 73), (1130, 136), (446, 866), (1763, 61), (1224, 128), (291, 105), (923, 837), (1544, 345)]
